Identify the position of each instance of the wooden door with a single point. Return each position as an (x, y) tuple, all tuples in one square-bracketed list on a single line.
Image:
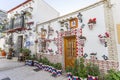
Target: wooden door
[(20, 41), (70, 50), (19, 45)]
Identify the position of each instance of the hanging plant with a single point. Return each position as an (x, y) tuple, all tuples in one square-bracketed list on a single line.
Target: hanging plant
[(36, 41), (107, 34), (61, 30), (82, 37), (91, 23), (82, 40), (93, 53), (103, 38), (50, 50)]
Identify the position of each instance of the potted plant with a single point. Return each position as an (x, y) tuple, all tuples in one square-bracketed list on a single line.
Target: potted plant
[(29, 60), (75, 70), (82, 72), (9, 56), (59, 69), (112, 75), (24, 54), (69, 70), (92, 71)]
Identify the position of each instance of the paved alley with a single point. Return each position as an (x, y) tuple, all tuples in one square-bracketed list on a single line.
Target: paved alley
[(18, 71)]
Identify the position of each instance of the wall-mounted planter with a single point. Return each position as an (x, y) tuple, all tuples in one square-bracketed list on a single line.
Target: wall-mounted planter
[(61, 30), (91, 23), (82, 42), (103, 38)]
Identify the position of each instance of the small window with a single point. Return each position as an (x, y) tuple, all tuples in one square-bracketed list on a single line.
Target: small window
[(74, 23)]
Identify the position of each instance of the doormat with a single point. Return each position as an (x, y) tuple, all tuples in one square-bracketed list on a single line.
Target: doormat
[(6, 78)]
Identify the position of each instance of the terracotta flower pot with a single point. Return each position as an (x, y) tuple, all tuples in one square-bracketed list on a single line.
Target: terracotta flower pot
[(3, 53)]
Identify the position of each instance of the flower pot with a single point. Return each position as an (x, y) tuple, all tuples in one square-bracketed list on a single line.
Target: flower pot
[(3, 53), (50, 69), (29, 62), (69, 75), (54, 72), (59, 72), (75, 78), (36, 63)]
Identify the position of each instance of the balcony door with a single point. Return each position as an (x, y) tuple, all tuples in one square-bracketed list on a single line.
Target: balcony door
[(70, 50)]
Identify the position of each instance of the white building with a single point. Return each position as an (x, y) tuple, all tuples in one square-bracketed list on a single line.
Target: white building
[(90, 32), (3, 17), (23, 21)]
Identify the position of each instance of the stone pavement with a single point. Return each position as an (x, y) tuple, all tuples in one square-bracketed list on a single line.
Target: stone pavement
[(18, 71), (6, 64)]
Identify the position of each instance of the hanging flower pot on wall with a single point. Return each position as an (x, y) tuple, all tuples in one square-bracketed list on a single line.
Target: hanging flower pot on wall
[(82, 40), (103, 38), (91, 23), (36, 41)]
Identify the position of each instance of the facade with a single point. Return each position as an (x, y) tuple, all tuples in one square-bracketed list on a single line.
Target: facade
[(23, 19), (3, 17), (91, 32)]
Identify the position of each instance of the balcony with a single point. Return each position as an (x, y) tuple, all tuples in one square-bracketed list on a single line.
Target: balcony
[(19, 23)]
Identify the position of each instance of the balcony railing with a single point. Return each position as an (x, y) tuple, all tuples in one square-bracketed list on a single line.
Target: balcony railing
[(18, 22)]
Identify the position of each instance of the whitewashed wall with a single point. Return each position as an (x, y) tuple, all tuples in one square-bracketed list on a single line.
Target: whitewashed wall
[(92, 44), (41, 13), (56, 26)]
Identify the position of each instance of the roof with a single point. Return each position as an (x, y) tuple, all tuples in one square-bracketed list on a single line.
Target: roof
[(19, 6)]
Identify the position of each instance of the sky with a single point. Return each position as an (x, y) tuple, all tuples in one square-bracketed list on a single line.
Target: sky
[(62, 6)]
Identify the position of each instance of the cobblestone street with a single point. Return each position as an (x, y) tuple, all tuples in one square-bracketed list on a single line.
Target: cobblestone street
[(18, 71)]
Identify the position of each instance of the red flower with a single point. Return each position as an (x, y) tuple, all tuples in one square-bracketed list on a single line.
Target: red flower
[(100, 36), (107, 34), (92, 21)]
